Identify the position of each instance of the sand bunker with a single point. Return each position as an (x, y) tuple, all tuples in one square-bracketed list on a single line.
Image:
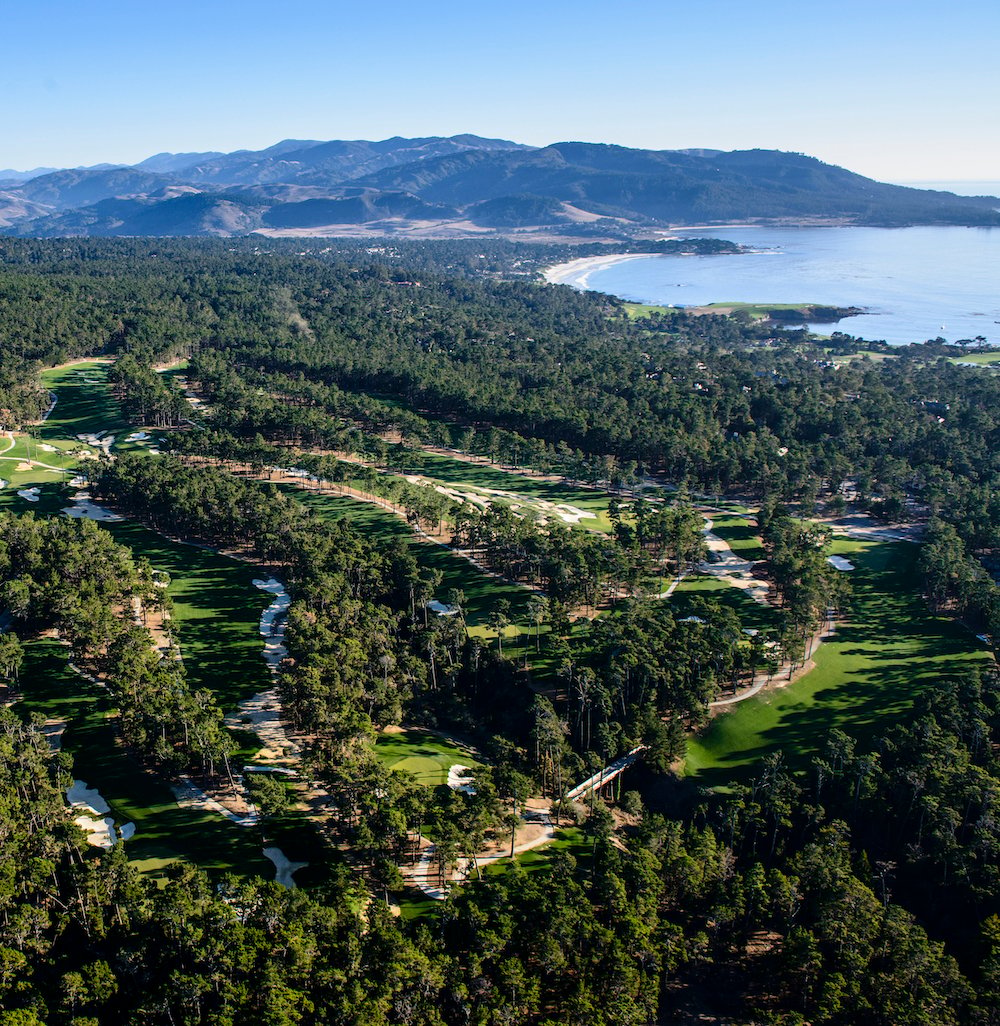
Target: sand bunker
[(45, 447), (190, 796), (3, 483), (137, 436), (723, 562), (272, 621), (29, 494), (284, 868), (99, 440), (84, 509), (441, 609), (262, 715), (91, 809), (563, 510), (840, 563), (53, 731), (458, 779), (517, 500)]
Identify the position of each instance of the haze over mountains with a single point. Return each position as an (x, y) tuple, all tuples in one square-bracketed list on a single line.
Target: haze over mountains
[(464, 185)]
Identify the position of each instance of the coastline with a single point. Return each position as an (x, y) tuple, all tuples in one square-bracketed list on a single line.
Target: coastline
[(575, 273)]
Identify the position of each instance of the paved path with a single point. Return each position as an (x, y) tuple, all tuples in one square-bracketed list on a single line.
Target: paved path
[(425, 871)]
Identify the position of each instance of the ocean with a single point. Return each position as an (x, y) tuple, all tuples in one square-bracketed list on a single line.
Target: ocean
[(913, 283)]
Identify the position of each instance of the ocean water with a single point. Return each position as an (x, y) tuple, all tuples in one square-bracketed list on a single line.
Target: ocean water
[(913, 283)]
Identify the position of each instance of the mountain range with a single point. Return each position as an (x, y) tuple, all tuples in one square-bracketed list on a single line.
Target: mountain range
[(463, 185)]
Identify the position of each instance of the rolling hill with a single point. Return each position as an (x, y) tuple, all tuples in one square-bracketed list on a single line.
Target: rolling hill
[(461, 184)]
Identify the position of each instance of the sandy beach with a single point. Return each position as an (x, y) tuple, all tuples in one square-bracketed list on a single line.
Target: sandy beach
[(576, 272)]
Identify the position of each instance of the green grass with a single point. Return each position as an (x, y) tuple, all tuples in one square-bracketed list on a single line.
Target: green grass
[(216, 613), (980, 359), (482, 592), (866, 678), (165, 832), (743, 539), (637, 310), (85, 404), (426, 755)]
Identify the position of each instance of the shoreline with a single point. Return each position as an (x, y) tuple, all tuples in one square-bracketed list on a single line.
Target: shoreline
[(575, 273)]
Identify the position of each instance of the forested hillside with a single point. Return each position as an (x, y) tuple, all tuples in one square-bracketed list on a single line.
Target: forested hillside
[(521, 531)]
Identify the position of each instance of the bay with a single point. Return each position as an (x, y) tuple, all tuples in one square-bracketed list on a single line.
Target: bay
[(914, 283)]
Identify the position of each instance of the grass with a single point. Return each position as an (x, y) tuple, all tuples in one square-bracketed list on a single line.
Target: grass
[(636, 310), (867, 677), (482, 592), (216, 613), (980, 359), (741, 537), (85, 404), (426, 755), (165, 832)]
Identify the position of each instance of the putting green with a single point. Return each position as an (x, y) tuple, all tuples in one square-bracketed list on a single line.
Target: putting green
[(426, 755)]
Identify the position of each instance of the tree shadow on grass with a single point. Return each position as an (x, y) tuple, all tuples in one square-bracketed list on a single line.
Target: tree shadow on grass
[(867, 678)]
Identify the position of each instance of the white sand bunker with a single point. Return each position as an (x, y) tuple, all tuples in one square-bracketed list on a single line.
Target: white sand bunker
[(99, 440), (29, 494), (840, 563), (441, 609), (77, 482), (84, 509), (284, 868), (272, 621), (451, 493), (3, 483), (138, 436), (45, 447), (89, 803), (458, 779), (563, 510)]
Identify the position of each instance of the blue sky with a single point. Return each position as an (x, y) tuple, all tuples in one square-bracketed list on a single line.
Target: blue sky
[(898, 91)]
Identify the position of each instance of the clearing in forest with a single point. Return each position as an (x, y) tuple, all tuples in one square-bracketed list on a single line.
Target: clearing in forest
[(165, 832), (867, 676), (426, 755)]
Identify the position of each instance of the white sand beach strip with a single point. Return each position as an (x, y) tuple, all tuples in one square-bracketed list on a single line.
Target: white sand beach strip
[(576, 273)]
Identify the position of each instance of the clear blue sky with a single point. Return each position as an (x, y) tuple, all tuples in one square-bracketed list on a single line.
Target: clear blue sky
[(895, 90)]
